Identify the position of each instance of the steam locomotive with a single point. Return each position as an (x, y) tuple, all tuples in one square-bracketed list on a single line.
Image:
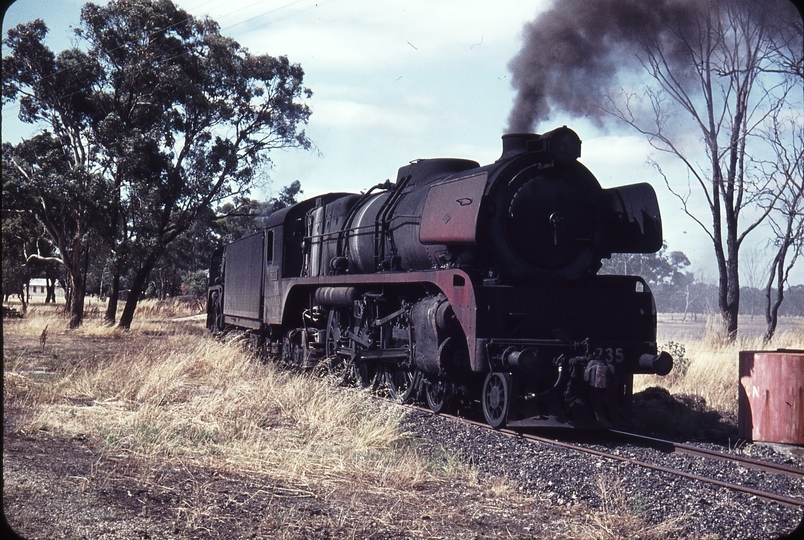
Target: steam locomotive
[(462, 285)]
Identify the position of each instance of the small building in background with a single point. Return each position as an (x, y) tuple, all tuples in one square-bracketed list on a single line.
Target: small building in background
[(37, 290)]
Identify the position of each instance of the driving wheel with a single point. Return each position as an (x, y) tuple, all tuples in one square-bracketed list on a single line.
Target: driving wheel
[(438, 395), (401, 382)]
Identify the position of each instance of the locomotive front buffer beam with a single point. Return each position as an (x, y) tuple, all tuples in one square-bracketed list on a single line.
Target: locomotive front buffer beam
[(556, 382)]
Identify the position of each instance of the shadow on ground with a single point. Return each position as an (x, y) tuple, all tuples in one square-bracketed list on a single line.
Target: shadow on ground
[(658, 412)]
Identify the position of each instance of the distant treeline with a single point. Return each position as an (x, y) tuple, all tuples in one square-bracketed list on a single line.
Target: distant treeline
[(701, 298), (678, 290)]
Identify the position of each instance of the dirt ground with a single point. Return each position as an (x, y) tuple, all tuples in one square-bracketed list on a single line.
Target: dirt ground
[(73, 487), (69, 488)]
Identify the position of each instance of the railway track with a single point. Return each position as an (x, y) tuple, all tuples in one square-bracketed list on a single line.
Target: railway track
[(664, 446), (679, 448), (689, 450)]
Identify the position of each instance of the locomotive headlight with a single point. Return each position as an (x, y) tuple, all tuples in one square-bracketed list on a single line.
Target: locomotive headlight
[(563, 145)]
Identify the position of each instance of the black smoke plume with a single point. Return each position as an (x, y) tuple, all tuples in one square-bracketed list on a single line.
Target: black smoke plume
[(577, 49)]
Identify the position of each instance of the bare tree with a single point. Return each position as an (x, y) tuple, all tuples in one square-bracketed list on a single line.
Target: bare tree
[(786, 197), (752, 266), (716, 65)]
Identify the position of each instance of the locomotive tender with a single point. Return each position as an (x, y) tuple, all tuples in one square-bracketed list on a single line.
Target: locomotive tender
[(460, 283)]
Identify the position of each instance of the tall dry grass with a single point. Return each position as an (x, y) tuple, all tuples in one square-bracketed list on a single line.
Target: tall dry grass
[(707, 365), (168, 390)]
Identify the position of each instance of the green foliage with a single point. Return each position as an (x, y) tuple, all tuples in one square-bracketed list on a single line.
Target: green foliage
[(194, 283), (244, 216), (660, 268), (153, 122), (681, 363), (674, 288)]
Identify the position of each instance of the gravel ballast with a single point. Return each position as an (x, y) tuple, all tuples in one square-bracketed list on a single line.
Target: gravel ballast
[(568, 477)]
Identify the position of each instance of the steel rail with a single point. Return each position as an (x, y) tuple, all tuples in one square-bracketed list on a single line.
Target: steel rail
[(680, 448), (781, 499)]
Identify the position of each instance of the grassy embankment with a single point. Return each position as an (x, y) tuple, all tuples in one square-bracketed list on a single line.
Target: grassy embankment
[(705, 376), (709, 367), (167, 391), (166, 387)]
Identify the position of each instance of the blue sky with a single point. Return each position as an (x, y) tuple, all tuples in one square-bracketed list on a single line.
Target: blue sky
[(397, 80)]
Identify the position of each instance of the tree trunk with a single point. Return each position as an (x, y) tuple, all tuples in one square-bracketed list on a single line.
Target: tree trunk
[(686, 302), (23, 301), (111, 307), (723, 286), (772, 303), (772, 313), (50, 287), (50, 284), (732, 310), (137, 287), (77, 307), (78, 276), (68, 297)]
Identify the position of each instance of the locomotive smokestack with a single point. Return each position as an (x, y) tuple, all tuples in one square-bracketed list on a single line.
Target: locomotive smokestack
[(517, 143), (562, 145)]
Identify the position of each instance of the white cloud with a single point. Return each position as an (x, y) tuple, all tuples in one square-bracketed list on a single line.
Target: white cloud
[(366, 35), (351, 115)]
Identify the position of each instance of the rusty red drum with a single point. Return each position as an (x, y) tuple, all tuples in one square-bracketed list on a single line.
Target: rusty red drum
[(771, 406)]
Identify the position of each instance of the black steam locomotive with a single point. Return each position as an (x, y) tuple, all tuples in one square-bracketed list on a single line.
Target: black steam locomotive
[(460, 284)]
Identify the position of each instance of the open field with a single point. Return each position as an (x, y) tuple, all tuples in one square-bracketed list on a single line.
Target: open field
[(704, 328), (166, 432)]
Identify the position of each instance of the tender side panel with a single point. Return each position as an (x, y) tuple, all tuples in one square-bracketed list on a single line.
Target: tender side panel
[(244, 266)]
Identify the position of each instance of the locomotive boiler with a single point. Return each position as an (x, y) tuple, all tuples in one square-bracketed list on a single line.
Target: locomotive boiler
[(460, 284)]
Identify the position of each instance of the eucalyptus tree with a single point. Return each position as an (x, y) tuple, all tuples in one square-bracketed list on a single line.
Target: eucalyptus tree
[(665, 272), (176, 116), (65, 198), (55, 168), (243, 215), (18, 228)]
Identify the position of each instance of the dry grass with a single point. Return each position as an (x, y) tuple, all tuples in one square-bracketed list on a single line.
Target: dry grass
[(712, 364), (159, 396), (168, 393)]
